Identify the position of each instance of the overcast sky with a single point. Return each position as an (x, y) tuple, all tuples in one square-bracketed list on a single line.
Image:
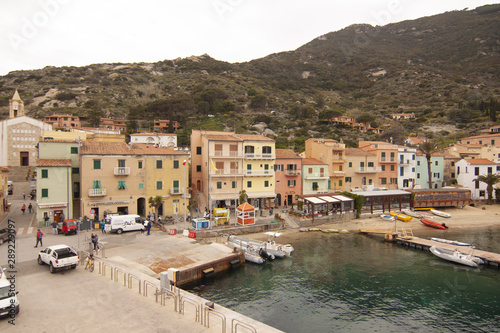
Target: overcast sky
[(39, 33)]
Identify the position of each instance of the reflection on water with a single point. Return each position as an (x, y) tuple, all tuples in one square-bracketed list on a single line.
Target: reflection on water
[(354, 283)]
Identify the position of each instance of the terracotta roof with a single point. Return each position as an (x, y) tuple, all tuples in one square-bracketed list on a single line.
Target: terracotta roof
[(223, 137), (52, 162), (253, 137), (312, 161), (153, 134), (286, 153), (105, 148), (357, 152), (149, 149), (480, 161)]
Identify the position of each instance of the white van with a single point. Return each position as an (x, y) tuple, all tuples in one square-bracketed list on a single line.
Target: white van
[(121, 223), (9, 305)]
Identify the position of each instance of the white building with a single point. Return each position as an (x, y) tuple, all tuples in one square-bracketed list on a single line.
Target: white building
[(406, 167), (160, 139), (469, 170)]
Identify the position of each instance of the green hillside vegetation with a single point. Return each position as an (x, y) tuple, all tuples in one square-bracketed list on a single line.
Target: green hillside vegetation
[(444, 68)]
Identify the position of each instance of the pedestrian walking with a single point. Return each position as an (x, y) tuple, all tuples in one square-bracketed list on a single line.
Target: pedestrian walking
[(24, 196), (23, 208), (39, 236), (30, 208), (46, 219), (54, 228), (149, 227), (145, 224), (102, 225)]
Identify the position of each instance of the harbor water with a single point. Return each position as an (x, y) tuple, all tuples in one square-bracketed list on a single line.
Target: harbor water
[(358, 283)]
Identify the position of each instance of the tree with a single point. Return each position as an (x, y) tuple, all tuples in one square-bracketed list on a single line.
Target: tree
[(491, 179), (428, 148), (156, 203)]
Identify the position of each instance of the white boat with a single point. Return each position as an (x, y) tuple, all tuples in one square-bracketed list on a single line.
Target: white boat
[(412, 213), (451, 242), (440, 213), (252, 252), (272, 246), (269, 247), (456, 256), (388, 217)]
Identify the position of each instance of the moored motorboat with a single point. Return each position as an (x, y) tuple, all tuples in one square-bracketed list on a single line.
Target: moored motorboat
[(272, 246), (433, 224), (388, 217), (440, 213), (255, 247), (401, 217), (451, 242), (456, 256)]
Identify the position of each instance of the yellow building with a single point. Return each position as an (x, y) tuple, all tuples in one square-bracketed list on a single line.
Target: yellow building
[(361, 170), (330, 152), (224, 163), (120, 178)]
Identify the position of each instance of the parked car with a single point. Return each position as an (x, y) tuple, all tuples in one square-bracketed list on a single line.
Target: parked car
[(9, 305), (4, 234), (121, 223), (10, 187), (67, 227), (58, 257)]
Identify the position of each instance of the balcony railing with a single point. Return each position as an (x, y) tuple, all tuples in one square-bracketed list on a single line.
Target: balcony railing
[(259, 172), (122, 171), (97, 192), (260, 156), (406, 162), (338, 173), (292, 172), (387, 159), (226, 173), (317, 175), (226, 154), (368, 170), (176, 190)]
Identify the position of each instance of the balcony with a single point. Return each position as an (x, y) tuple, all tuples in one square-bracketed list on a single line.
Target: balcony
[(338, 173), (255, 173), (226, 173), (292, 172), (226, 154), (260, 156), (122, 171), (317, 175), (368, 170), (387, 159), (406, 162), (97, 192), (176, 190)]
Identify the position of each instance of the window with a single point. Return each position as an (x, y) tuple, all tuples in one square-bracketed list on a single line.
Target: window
[(176, 164), (401, 171), (45, 173), (452, 175), (159, 185), (198, 150), (477, 183), (361, 164), (383, 167), (291, 183), (249, 184), (418, 175), (266, 183), (74, 150), (97, 164), (75, 171), (350, 164), (340, 182), (418, 163), (219, 185), (233, 184), (121, 185), (436, 163), (452, 163), (249, 149), (476, 171), (383, 181), (315, 186), (121, 163), (278, 167), (490, 170), (141, 185), (139, 164), (348, 179), (45, 192), (159, 164), (198, 168), (382, 155), (96, 184), (266, 150), (392, 167)]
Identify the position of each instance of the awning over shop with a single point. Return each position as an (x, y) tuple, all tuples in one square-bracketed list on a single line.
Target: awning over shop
[(262, 194), (343, 198), (316, 201), (53, 205), (329, 199)]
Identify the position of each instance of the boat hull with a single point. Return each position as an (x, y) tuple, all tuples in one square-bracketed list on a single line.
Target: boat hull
[(454, 256), (401, 217), (451, 242), (433, 224), (440, 213)]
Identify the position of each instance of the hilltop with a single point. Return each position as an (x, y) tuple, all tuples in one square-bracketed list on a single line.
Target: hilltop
[(444, 68)]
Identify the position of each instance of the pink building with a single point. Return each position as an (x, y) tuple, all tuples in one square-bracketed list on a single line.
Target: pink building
[(287, 167)]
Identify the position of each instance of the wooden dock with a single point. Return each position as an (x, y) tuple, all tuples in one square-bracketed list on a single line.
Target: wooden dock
[(490, 259)]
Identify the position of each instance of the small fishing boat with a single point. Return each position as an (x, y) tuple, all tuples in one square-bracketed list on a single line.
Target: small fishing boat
[(451, 242), (456, 256), (440, 213), (254, 247), (401, 217), (433, 224), (388, 217), (412, 213), (271, 246)]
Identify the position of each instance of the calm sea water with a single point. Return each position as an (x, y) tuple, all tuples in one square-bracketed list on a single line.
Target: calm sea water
[(356, 283)]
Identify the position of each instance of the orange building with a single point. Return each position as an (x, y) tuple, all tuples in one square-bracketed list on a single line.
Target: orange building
[(387, 154), (65, 121)]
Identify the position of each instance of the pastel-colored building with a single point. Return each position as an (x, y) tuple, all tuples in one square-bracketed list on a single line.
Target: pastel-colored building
[(287, 172), (332, 153), (163, 126), (468, 171), (315, 176), (120, 178), (54, 197), (63, 121), (159, 139), (406, 167), (437, 171), (361, 169), (387, 159)]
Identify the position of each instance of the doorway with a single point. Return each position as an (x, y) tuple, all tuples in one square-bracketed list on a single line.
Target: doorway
[(25, 158)]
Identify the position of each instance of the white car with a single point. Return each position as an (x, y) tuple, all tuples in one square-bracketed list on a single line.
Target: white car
[(9, 305), (58, 257)]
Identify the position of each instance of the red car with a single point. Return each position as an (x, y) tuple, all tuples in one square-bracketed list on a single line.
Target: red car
[(67, 227)]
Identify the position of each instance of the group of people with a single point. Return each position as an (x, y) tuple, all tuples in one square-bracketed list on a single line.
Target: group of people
[(30, 208)]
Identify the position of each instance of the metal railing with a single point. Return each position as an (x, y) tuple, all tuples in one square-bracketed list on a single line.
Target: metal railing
[(235, 323), (146, 283), (208, 311), (133, 277), (119, 270), (182, 302)]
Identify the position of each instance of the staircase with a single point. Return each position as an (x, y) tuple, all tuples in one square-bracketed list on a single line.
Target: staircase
[(19, 173)]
